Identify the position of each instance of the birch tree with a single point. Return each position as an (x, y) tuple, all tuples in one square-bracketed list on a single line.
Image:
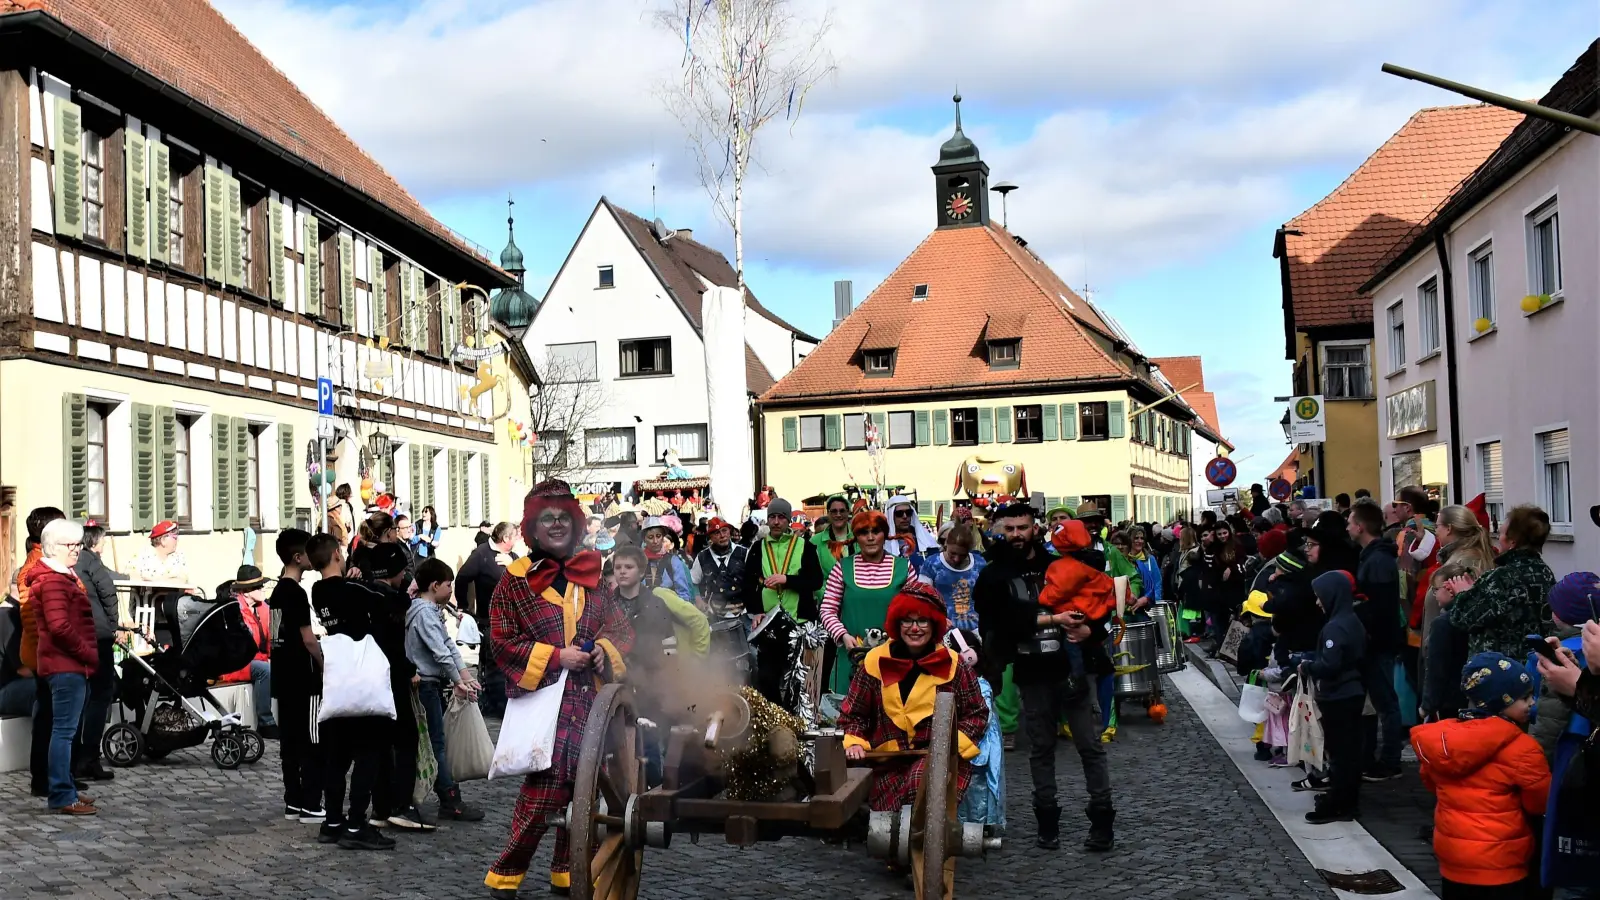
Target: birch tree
[(745, 63)]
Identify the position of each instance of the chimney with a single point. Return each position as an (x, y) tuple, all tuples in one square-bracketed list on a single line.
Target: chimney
[(685, 233), (842, 302)]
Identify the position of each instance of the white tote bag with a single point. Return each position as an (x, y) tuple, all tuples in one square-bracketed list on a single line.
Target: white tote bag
[(528, 732), (1305, 729), (466, 740), (355, 679), (1253, 703)]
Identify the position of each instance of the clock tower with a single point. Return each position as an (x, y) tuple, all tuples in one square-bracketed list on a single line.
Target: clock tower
[(961, 181)]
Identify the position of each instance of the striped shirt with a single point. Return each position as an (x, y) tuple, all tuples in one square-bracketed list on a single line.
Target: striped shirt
[(868, 575)]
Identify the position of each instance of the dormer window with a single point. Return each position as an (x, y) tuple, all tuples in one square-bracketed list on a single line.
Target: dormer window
[(1005, 354), (878, 363), (919, 293)]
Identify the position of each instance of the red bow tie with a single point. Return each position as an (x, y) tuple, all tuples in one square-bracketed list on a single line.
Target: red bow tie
[(582, 569), (937, 663)]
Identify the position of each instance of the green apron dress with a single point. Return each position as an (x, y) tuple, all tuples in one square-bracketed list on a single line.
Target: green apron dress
[(860, 609)]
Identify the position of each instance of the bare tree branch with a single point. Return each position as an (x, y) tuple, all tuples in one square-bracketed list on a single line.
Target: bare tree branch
[(570, 402)]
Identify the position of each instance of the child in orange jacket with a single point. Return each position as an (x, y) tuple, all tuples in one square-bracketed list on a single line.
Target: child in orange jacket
[(1489, 776), (1070, 584)]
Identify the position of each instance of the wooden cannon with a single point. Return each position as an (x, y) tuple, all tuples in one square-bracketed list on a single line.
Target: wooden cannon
[(615, 817)]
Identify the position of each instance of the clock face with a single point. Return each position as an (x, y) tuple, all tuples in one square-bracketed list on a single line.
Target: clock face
[(959, 206)]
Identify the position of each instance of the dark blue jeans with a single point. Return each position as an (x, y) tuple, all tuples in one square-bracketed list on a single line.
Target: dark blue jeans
[(67, 693), (432, 694), (1377, 676)]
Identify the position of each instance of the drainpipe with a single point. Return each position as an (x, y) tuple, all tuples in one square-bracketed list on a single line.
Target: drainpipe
[(1447, 292)]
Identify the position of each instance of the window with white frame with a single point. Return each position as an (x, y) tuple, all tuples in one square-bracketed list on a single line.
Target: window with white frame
[(1428, 317), (811, 433), (1491, 468), (855, 431), (608, 446), (1480, 285), (1346, 371), (1555, 484), (902, 429), (688, 440), (568, 363), (1544, 249), (1397, 336)]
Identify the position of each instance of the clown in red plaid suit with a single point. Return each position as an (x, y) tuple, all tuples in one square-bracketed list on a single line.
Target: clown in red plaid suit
[(547, 608), (890, 703)]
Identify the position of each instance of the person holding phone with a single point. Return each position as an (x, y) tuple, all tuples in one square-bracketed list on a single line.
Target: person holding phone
[(1508, 602)]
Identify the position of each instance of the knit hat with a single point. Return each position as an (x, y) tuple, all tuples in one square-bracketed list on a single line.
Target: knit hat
[(383, 561), (1493, 681), (1574, 598), (780, 507), (916, 598), (1069, 536), (1271, 543)]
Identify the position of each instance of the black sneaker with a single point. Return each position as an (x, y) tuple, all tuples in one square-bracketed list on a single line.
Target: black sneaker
[(1263, 753), (291, 813), (330, 832), (1382, 773), (313, 816), (1311, 783), (365, 838), (1326, 814), (412, 819), (268, 732)]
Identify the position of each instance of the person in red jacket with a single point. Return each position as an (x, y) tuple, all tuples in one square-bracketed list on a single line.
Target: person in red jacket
[(1489, 777), (67, 653)]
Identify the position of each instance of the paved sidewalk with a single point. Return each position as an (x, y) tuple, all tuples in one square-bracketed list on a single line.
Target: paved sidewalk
[(1189, 827)]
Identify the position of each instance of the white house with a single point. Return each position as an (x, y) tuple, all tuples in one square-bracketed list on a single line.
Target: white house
[(623, 319), (1486, 328), (1186, 375)]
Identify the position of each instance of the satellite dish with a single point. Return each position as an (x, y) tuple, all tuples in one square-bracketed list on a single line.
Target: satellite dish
[(663, 233)]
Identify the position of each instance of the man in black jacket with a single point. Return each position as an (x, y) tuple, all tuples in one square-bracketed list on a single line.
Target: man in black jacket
[(100, 584), (719, 571), (481, 573), (1378, 579), (1051, 655)]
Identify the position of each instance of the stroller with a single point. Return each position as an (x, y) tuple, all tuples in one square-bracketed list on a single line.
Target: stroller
[(158, 691)]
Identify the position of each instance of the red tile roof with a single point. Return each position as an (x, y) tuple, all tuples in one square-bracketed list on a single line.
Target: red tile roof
[(1183, 371), (189, 45), (972, 274), (1348, 234), (756, 377)]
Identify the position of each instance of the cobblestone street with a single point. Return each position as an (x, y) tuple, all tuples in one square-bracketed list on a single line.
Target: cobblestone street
[(1188, 826)]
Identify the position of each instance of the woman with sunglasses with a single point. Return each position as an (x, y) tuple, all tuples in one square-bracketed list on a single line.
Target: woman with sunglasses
[(858, 592)]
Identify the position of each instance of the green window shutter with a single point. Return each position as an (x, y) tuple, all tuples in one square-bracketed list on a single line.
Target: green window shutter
[(275, 259), (453, 468), (285, 475), (791, 434), (69, 169), (1119, 507), (1051, 503), (143, 423), (483, 483), (880, 420), (1069, 422), (75, 455), (922, 428), (924, 507), (1071, 503), (941, 427), (221, 472), (1116, 419), (985, 425), (380, 307), (416, 478), (1047, 417), (160, 200), (241, 475), (832, 426), (234, 239), (347, 281), (464, 482), (425, 323), (133, 180), (429, 467), (313, 263), (216, 224), (405, 304), (167, 462), (1002, 424)]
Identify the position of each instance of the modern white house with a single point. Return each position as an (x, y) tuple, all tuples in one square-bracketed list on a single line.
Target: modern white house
[(1186, 375), (1486, 328), (623, 328)]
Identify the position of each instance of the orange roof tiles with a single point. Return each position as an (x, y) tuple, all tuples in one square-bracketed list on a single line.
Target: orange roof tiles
[(190, 45), (1183, 371), (1348, 234)]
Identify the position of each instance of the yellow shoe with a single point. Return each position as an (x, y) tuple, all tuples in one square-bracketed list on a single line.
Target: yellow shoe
[(1066, 731), (1109, 735)]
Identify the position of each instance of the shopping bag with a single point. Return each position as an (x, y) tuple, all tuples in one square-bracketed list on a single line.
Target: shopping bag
[(1305, 729), (1253, 702), (427, 763), (528, 732), (355, 679), (466, 740), (1237, 632)]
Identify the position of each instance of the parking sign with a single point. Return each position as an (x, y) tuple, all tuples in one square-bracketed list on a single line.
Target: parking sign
[(324, 396)]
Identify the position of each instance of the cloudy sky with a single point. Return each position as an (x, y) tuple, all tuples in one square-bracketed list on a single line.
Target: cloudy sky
[(1157, 145)]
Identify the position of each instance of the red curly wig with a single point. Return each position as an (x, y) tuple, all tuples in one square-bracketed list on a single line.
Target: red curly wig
[(917, 598)]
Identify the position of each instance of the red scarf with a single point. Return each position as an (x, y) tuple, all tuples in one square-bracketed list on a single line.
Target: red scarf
[(652, 556), (937, 663), (582, 569)]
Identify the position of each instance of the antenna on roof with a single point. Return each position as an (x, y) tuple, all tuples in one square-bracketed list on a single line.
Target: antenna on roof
[(662, 232), (1004, 189)]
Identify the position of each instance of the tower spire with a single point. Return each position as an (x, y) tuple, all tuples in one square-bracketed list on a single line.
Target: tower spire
[(511, 256)]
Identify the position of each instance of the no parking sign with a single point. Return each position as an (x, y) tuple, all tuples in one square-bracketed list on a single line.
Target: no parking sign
[(1221, 471)]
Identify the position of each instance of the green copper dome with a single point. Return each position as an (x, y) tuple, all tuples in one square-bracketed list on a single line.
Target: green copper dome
[(960, 148), (512, 307)]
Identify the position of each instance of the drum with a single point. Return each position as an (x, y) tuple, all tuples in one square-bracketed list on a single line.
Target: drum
[(1169, 652), (730, 642), (1137, 648)]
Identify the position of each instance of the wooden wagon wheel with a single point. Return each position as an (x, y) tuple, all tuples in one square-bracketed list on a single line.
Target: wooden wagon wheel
[(607, 839), (933, 867)]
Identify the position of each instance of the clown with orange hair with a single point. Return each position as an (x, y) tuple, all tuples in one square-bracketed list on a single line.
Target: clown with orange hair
[(858, 591)]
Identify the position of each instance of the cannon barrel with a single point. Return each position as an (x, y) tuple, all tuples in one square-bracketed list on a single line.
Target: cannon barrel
[(713, 729), (1560, 117)]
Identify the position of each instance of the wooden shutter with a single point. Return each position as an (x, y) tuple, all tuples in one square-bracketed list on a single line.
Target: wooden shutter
[(424, 326), (234, 239), (881, 420), (75, 455), (379, 286), (452, 468), (483, 465), (417, 503), (465, 478), (1051, 503), (133, 179), (216, 224), (221, 472), (167, 462), (285, 475), (791, 434), (1116, 421), (144, 466), (985, 425), (925, 508), (241, 475), (941, 427), (1069, 421), (405, 304), (430, 464), (832, 432), (160, 200), (922, 428), (1119, 508), (69, 170), (1002, 424), (1071, 503), (1048, 424), (275, 260), (313, 263), (347, 281)]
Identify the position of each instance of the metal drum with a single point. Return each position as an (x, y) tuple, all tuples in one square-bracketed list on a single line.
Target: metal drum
[(1169, 654), (1137, 648), (730, 642)]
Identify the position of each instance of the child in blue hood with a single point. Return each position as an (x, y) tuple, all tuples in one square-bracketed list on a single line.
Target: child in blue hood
[(1336, 667)]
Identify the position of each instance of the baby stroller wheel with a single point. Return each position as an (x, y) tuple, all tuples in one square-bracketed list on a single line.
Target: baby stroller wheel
[(122, 745), (253, 745), (227, 751)]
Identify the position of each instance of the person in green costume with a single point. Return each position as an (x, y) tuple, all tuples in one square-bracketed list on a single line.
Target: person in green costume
[(834, 540), (783, 569), (858, 592)]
